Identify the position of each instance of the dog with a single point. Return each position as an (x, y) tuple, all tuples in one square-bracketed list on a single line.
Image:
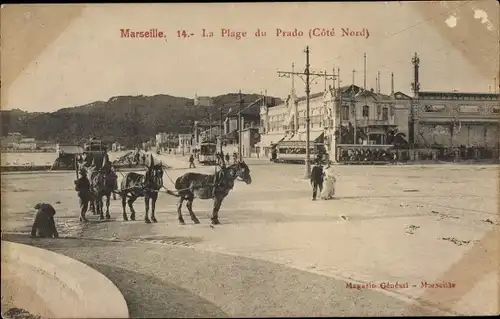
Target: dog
[(44, 224), (329, 182)]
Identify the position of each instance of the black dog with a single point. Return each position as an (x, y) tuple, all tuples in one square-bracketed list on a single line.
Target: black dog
[(44, 224)]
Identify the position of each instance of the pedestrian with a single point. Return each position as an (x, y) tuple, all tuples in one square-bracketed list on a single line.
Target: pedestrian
[(317, 179), (228, 157), (82, 187), (328, 191), (191, 161), (44, 224)]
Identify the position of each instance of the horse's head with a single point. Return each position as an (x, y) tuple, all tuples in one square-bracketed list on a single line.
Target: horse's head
[(241, 171), (154, 175)]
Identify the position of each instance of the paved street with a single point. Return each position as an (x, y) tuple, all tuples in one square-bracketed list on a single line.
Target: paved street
[(401, 223)]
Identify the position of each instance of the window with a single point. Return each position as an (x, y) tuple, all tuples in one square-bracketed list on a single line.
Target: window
[(469, 109), (385, 114), (366, 111), (344, 115)]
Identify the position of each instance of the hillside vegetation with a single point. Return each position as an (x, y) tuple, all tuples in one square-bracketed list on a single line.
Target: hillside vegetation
[(126, 119)]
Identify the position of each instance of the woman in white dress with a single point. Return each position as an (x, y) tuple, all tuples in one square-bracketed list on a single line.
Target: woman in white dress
[(328, 183)]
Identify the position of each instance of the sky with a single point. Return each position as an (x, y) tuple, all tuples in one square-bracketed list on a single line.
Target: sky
[(89, 61)]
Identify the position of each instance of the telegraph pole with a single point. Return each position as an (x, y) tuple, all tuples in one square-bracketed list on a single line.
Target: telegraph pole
[(415, 86), (221, 130), (239, 125), (308, 120), (307, 73)]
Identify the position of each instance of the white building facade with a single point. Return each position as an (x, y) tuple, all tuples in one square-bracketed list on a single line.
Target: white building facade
[(345, 115), (287, 121)]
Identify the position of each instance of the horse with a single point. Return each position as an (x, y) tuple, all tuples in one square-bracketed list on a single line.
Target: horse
[(216, 186), (136, 185), (102, 184)]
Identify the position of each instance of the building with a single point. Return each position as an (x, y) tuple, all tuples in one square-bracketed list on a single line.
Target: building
[(116, 147), (366, 117), (204, 101), (185, 141), (11, 140), (451, 121), (346, 115), (161, 138), (287, 121), (249, 138), (62, 149), (456, 119), (28, 143)]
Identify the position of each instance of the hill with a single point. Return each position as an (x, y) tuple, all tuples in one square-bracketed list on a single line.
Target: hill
[(126, 119)]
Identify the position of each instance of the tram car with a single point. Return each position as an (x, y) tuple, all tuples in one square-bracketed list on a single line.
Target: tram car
[(366, 154), (295, 152), (207, 156)]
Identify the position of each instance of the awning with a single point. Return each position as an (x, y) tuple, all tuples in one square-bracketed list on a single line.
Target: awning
[(313, 136), (269, 140)]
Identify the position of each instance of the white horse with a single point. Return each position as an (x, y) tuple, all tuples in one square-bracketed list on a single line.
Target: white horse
[(329, 181)]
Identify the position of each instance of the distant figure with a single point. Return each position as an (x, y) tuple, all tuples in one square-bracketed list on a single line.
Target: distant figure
[(328, 191), (191, 161), (143, 159), (82, 187), (227, 158), (44, 225), (317, 178), (274, 154)]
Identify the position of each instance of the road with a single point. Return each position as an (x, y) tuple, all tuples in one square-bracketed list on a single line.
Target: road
[(402, 223)]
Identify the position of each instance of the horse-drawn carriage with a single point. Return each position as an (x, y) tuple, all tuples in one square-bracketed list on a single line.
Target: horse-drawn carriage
[(94, 153), (94, 161)]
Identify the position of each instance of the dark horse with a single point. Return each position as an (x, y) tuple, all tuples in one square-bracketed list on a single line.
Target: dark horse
[(102, 184), (136, 185), (216, 186)]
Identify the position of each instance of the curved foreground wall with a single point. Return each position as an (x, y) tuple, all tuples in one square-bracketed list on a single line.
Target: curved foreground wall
[(52, 285)]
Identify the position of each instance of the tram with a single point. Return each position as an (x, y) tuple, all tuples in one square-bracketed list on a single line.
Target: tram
[(295, 152), (207, 156), (366, 154)]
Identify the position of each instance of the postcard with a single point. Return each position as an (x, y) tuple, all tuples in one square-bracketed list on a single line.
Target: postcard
[(250, 159)]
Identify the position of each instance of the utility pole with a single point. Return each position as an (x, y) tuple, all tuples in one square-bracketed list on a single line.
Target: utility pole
[(353, 106), (378, 82), (415, 100), (307, 73), (392, 83), (239, 125), (364, 71), (221, 130)]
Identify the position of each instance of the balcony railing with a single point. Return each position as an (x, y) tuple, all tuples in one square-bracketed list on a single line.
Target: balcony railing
[(373, 122)]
